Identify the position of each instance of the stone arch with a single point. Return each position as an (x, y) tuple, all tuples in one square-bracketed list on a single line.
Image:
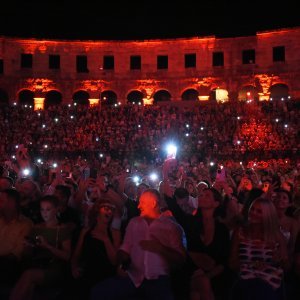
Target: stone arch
[(4, 99), (162, 96), (190, 95), (81, 97), (26, 97), (248, 92), (135, 97), (108, 98), (279, 91), (52, 98)]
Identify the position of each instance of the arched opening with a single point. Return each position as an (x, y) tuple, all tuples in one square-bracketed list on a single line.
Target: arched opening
[(81, 98), (162, 96), (26, 97), (109, 98), (4, 99), (53, 98), (190, 95), (218, 95), (248, 92), (135, 97), (279, 91)]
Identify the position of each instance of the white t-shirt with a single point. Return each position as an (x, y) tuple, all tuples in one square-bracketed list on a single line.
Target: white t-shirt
[(146, 264)]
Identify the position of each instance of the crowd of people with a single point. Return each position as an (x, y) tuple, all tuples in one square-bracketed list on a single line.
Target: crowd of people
[(92, 205), (230, 129)]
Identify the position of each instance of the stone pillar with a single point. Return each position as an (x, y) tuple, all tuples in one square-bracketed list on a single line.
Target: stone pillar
[(176, 98), (233, 96), (204, 93)]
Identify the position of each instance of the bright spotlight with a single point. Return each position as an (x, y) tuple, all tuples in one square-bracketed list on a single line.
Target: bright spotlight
[(171, 150), (153, 176), (136, 179), (26, 172)]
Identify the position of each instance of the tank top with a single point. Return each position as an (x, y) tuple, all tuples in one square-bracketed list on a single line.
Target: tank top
[(256, 261)]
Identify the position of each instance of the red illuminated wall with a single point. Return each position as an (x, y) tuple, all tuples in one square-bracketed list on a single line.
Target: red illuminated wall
[(232, 76)]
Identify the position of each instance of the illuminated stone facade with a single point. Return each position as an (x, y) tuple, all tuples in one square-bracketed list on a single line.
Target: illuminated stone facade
[(199, 64)]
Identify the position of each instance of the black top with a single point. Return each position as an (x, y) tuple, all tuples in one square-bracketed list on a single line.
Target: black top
[(132, 211), (95, 261), (218, 249)]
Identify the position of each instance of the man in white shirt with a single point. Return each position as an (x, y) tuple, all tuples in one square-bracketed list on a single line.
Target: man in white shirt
[(153, 244)]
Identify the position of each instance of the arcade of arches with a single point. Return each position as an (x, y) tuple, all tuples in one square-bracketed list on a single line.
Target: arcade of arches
[(108, 97)]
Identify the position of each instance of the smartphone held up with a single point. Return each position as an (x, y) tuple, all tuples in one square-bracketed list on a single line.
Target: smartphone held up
[(171, 151)]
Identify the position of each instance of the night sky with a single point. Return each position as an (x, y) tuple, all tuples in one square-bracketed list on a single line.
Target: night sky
[(143, 19)]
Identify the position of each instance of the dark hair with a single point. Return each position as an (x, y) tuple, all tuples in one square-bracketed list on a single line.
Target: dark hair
[(267, 180), (276, 179), (1, 170), (14, 195), (254, 193), (219, 211), (65, 190), (217, 195), (51, 199), (203, 181), (73, 184), (94, 212), (144, 184), (181, 193)]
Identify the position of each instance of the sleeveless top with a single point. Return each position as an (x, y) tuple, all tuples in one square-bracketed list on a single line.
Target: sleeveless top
[(94, 260), (256, 261)]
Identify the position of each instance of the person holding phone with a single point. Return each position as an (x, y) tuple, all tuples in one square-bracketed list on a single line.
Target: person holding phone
[(47, 257), (14, 227), (94, 258), (23, 159), (152, 246), (171, 177)]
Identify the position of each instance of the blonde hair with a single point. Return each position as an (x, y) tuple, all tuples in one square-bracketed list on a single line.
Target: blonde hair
[(270, 219)]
